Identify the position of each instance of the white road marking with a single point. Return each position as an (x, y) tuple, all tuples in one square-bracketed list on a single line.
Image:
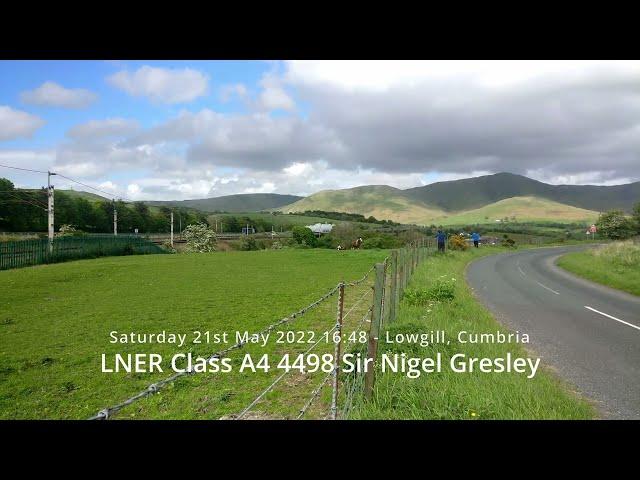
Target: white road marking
[(612, 317), (550, 289), (518, 265)]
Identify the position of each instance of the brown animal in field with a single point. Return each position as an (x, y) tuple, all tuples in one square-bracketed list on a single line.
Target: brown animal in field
[(355, 245)]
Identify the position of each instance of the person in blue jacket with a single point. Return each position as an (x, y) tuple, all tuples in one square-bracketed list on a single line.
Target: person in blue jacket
[(475, 236), (441, 237)]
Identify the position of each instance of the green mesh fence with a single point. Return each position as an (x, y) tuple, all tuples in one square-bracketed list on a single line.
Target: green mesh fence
[(34, 252)]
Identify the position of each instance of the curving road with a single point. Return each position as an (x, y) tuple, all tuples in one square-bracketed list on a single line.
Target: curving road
[(589, 333)]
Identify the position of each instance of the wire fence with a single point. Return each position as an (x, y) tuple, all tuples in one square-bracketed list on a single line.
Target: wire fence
[(372, 303), (23, 253)]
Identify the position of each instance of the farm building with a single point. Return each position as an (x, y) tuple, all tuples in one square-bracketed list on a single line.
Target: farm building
[(320, 228)]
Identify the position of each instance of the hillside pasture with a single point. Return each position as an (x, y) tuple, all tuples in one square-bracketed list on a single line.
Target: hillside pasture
[(524, 209)]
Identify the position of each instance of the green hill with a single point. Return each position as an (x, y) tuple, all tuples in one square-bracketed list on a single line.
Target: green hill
[(92, 197), (471, 193), (523, 209), (380, 201), (248, 202)]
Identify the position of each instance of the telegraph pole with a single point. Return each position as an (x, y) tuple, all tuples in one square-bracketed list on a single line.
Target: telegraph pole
[(50, 211), (115, 219), (171, 228)]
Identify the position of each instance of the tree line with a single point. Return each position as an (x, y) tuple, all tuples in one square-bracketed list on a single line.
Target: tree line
[(25, 211)]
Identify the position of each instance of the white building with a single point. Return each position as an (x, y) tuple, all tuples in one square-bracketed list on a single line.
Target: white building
[(320, 228)]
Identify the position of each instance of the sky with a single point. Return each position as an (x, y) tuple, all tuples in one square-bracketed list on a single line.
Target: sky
[(166, 130)]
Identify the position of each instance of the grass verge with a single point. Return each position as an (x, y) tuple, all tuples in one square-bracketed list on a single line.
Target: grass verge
[(616, 265), (449, 395)]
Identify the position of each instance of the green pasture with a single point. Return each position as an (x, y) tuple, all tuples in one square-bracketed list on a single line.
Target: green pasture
[(55, 322)]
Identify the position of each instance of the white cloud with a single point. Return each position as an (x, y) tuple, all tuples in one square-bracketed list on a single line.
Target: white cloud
[(111, 127), (273, 95), (227, 92), (379, 75), (16, 123), (162, 85), (51, 94)]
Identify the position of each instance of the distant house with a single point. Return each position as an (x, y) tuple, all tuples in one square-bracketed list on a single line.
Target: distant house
[(320, 228)]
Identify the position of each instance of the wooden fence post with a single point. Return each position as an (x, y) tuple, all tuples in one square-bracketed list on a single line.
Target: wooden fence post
[(393, 297), (374, 331), (336, 368)]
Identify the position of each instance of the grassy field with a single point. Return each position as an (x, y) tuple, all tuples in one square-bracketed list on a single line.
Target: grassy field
[(55, 322), (525, 209), (449, 395), (616, 265)]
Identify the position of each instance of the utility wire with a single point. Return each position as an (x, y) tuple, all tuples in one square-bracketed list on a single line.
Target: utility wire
[(24, 169), (32, 201), (93, 188), (67, 178), (26, 202)]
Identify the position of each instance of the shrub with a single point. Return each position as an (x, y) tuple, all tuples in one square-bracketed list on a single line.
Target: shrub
[(457, 242), (69, 231), (304, 236), (200, 238), (326, 241), (276, 245), (167, 246), (615, 225), (508, 241), (249, 243), (382, 240)]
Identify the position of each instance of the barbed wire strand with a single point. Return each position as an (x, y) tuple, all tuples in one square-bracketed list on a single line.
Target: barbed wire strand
[(106, 413), (277, 380), (358, 376), (360, 280), (315, 395), (368, 292)]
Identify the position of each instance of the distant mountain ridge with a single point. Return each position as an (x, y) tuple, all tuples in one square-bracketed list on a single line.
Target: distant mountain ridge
[(477, 198), (476, 192)]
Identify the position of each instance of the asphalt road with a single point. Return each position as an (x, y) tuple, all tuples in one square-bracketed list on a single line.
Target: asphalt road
[(589, 333)]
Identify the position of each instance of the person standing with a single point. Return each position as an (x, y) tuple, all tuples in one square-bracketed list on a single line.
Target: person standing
[(441, 237), (475, 236)]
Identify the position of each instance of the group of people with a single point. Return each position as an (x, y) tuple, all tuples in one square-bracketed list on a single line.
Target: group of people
[(441, 238)]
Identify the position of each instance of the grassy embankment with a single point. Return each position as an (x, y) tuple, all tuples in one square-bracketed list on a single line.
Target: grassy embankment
[(449, 395), (55, 322), (616, 265)]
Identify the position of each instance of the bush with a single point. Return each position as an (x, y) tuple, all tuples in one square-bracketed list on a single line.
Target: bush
[(457, 242), (167, 246), (383, 241), (200, 238), (276, 245), (304, 236), (249, 243), (326, 241), (69, 231), (615, 225), (508, 241)]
